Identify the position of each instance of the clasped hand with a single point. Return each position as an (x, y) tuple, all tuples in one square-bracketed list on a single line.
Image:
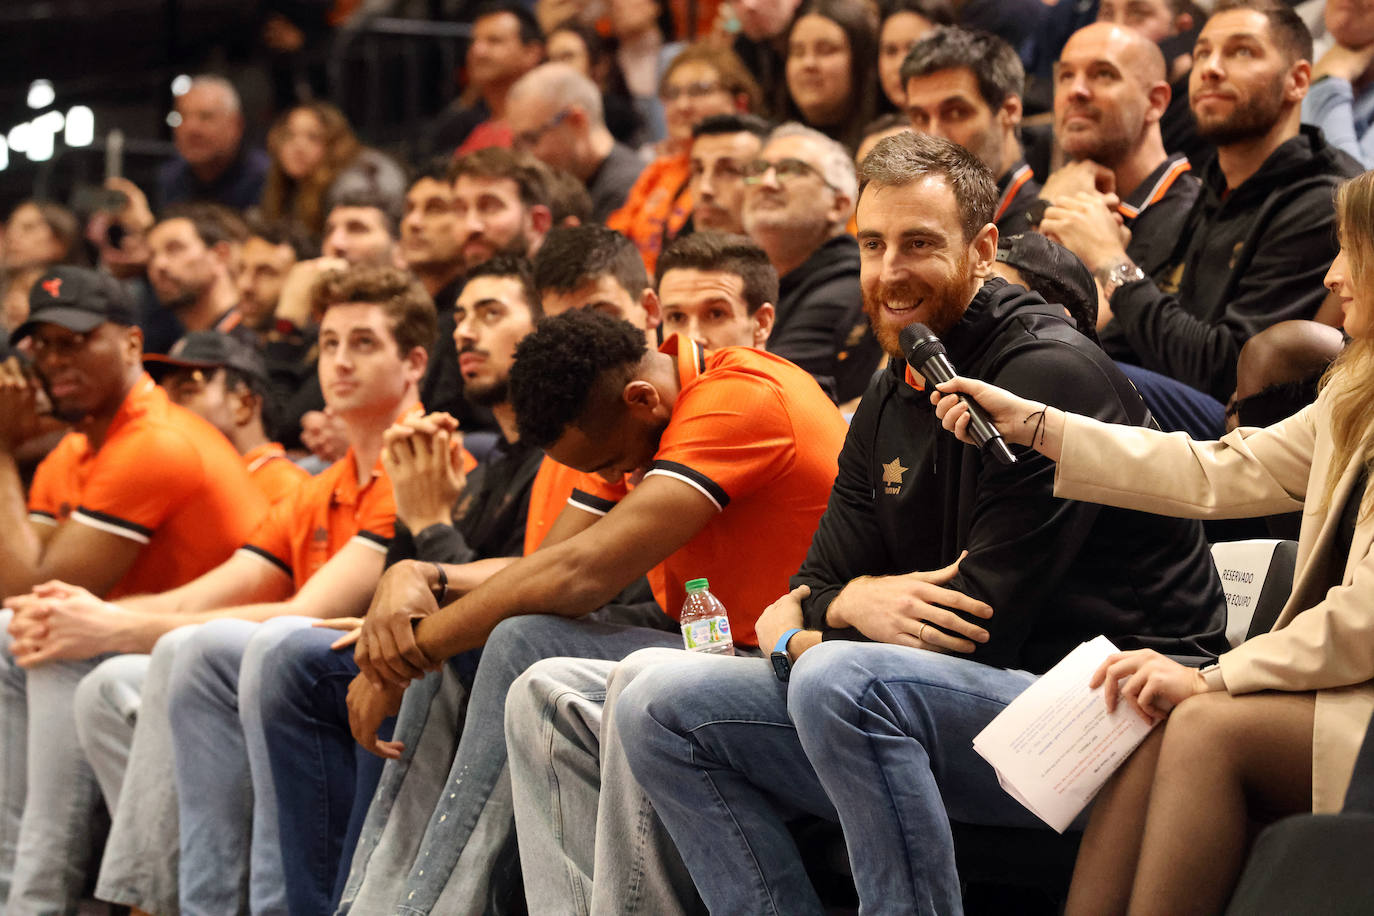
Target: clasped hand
[(423, 457), (57, 621)]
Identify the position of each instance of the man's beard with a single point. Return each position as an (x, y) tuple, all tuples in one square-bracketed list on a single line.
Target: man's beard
[(517, 247), (1106, 148), (940, 309), (487, 395), (178, 297), (1250, 119)]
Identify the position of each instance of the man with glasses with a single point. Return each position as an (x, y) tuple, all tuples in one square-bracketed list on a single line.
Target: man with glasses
[(141, 496), (555, 113), (799, 195)]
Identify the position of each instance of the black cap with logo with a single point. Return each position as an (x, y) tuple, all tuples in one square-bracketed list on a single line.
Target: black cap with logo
[(77, 299)]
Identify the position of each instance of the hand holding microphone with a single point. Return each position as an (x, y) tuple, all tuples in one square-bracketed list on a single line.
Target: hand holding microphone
[(977, 413)]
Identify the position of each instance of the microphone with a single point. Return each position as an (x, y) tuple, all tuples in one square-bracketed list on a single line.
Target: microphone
[(926, 354)]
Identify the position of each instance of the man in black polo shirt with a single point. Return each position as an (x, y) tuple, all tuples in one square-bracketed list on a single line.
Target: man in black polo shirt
[(1257, 242)]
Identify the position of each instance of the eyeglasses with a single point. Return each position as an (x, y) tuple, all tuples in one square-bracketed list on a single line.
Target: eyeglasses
[(787, 170), (528, 138), (697, 90)]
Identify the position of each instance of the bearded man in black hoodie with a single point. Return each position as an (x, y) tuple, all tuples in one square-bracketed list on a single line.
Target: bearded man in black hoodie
[(1258, 241), (937, 586)]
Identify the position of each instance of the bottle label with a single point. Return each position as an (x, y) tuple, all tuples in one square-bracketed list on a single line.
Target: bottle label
[(706, 632)]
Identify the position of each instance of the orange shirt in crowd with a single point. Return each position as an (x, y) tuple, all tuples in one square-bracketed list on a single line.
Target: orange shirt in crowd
[(273, 473), (164, 478), (326, 512), (759, 438), (657, 207)]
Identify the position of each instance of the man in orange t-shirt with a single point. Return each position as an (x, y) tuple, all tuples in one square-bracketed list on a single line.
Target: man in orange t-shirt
[(225, 381), (141, 494)]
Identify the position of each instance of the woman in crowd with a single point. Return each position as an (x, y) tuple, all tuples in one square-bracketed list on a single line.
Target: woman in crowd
[(1273, 729), (315, 158), (832, 68), (581, 46), (703, 80), (40, 234), (643, 50), (905, 22)]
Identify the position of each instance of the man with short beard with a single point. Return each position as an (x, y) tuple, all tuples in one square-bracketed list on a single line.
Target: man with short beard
[(190, 269), (1257, 242), (938, 577), (1110, 93)]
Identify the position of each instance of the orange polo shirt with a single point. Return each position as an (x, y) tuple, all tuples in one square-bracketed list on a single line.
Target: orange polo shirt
[(759, 438), (164, 478), (273, 473), (326, 512)]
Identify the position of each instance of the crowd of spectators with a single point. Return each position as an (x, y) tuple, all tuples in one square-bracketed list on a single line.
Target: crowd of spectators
[(349, 503)]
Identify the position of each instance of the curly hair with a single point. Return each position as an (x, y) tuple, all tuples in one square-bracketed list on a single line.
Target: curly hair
[(408, 308), (562, 367), (284, 197)]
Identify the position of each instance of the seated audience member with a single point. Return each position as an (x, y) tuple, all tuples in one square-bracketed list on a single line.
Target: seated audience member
[(1172, 25), (579, 45), (946, 620), (1052, 271), (904, 23), (555, 113), (966, 88), (213, 163), (718, 290), (643, 35), (319, 773), (587, 390), (1109, 93), (224, 382), (761, 36), (722, 147), (598, 269), (1279, 371), (265, 259), (701, 82), (316, 158), (1341, 101), (191, 268), (506, 44), (1254, 246), (569, 203), (800, 196), (1273, 727), (319, 553), (832, 68), (39, 234), (142, 495)]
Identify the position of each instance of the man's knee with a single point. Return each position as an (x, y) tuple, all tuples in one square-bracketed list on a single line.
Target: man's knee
[(828, 680), (109, 696), (208, 657), (293, 665), (518, 642)]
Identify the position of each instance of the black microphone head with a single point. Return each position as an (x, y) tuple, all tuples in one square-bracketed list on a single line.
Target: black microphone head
[(919, 344)]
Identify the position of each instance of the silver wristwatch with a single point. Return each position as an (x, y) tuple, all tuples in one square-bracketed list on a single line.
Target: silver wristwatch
[(1117, 275)]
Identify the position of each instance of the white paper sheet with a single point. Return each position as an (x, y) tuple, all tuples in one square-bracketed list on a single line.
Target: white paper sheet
[(1055, 745)]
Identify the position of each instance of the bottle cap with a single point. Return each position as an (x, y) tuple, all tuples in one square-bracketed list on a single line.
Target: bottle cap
[(697, 585)]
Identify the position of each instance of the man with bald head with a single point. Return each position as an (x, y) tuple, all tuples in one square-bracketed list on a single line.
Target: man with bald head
[(212, 163), (555, 113), (1110, 91)]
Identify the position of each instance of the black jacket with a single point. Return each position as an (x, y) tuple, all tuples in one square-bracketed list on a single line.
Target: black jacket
[(1244, 261), (909, 496), (820, 322)]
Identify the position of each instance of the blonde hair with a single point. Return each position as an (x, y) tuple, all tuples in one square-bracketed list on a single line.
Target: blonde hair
[(1351, 376)]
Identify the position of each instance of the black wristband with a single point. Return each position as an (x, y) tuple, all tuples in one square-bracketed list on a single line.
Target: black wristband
[(441, 591)]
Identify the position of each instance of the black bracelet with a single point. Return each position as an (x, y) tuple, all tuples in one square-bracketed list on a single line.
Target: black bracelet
[(442, 591)]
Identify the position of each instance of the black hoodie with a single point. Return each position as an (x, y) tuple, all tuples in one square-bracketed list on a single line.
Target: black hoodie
[(909, 496), (1244, 261), (820, 323)]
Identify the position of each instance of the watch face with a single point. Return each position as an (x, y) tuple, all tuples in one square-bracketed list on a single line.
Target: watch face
[(782, 666)]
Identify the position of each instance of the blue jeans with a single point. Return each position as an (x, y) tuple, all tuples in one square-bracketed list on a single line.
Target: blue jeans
[(876, 737), (226, 804), (1178, 407), (323, 779), (465, 860)]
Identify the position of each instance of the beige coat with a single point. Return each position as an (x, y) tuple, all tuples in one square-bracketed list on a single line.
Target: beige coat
[(1323, 639)]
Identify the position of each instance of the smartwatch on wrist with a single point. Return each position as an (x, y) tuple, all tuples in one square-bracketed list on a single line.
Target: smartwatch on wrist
[(782, 662)]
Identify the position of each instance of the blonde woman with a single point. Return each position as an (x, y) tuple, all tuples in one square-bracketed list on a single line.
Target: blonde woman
[(1274, 728)]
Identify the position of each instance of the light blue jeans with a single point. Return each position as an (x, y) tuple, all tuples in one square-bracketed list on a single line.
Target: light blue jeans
[(876, 737), (463, 862), (51, 813), (590, 842)]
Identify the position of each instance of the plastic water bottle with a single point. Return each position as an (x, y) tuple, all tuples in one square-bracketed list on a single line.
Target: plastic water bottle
[(705, 626)]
